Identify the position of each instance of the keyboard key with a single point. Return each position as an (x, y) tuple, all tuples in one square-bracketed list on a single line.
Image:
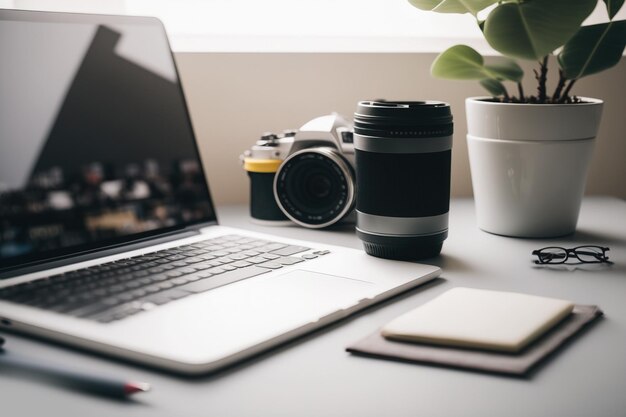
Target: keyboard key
[(117, 313), (194, 260), (289, 260), (127, 296), (258, 243), (179, 280), (151, 289), (202, 266), (256, 260), (165, 285), (139, 293), (270, 247), (221, 261), (241, 264), (116, 288), (192, 278), (223, 279), (270, 265), (95, 308), (158, 277), (232, 250), (88, 310), (289, 250), (166, 296), (238, 256), (132, 284)]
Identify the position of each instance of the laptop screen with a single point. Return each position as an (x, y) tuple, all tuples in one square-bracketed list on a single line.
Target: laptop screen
[(96, 146)]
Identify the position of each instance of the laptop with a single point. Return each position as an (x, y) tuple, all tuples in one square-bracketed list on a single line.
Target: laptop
[(109, 239)]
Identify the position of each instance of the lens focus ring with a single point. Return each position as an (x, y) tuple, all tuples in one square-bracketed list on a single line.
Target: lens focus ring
[(315, 187)]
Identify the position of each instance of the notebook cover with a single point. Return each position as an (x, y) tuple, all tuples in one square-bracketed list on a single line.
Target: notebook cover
[(499, 362), (479, 319)]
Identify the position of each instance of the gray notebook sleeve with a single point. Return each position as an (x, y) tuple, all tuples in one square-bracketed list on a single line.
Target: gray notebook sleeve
[(516, 364)]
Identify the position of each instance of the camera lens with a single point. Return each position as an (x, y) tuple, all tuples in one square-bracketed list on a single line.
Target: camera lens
[(403, 153), (314, 187), (319, 186)]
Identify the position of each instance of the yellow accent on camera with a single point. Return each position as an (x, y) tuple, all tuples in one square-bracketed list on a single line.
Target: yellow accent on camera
[(261, 165)]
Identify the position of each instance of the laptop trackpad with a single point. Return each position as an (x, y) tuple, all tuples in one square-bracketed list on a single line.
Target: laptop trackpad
[(321, 290), (235, 317), (279, 304), (312, 295)]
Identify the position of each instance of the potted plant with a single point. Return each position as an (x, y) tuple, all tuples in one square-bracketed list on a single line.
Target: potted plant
[(529, 151)]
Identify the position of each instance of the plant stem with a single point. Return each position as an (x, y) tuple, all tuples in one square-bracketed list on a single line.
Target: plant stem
[(520, 89), (507, 98), (559, 87), (565, 95), (541, 79)]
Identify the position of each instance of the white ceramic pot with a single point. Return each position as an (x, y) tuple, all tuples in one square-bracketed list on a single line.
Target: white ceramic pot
[(529, 164)]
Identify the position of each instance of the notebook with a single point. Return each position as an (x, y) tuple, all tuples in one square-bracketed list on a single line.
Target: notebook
[(480, 319)]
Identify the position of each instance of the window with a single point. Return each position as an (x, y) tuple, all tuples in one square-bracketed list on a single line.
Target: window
[(292, 25)]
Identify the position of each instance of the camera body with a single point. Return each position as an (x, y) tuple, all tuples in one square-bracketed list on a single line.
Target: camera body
[(306, 176)]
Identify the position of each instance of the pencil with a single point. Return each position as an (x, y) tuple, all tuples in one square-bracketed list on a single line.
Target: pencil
[(80, 380)]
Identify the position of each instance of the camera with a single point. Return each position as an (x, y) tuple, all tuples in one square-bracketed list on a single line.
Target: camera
[(306, 176), (398, 155)]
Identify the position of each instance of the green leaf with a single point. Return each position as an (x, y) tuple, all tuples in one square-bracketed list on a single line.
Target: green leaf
[(459, 62), (593, 49), (533, 29), (495, 87), (613, 6), (504, 69), (453, 6)]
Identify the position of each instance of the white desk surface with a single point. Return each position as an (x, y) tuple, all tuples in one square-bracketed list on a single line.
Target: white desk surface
[(314, 376)]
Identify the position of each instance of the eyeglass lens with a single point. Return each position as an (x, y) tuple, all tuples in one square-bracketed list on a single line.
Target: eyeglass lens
[(589, 253), (553, 255)]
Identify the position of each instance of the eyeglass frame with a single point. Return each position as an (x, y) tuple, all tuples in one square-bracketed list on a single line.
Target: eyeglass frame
[(601, 258)]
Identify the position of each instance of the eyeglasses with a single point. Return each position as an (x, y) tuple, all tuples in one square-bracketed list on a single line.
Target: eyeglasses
[(584, 254)]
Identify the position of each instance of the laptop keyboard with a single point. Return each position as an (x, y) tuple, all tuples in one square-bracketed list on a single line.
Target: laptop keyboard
[(117, 290)]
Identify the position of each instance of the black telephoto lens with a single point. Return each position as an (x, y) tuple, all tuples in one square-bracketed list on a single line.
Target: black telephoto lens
[(403, 154)]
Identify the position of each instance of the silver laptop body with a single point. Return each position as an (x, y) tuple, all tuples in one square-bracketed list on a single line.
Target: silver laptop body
[(102, 191)]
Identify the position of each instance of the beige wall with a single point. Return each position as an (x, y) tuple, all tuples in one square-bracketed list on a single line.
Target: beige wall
[(235, 97)]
